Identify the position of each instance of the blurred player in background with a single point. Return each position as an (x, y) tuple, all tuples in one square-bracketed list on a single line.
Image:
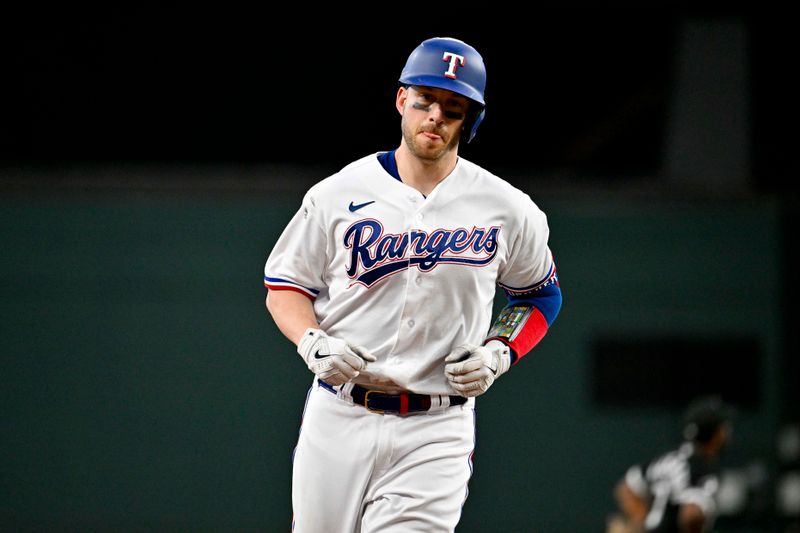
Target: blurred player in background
[(675, 491)]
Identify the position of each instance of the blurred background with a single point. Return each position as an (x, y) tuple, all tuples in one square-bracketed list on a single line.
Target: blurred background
[(150, 159)]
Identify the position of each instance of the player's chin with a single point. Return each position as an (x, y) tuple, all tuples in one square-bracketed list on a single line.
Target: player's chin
[(433, 149), (429, 148)]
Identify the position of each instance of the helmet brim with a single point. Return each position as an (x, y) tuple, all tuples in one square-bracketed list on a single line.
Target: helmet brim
[(456, 86)]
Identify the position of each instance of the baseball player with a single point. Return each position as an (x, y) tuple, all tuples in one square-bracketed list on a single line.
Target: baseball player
[(385, 280), (675, 491)]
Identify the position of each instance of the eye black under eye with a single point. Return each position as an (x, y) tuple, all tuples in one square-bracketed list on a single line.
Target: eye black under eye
[(455, 115)]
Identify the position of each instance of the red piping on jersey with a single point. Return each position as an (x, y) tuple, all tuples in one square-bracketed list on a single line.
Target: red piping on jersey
[(282, 288)]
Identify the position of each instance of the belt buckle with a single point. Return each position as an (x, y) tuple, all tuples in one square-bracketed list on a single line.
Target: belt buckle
[(366, 402)]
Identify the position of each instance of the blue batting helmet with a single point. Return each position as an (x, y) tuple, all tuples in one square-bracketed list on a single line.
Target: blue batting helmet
[(447, 63)]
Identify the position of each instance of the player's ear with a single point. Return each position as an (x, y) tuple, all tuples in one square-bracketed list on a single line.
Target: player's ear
[(400, 101)]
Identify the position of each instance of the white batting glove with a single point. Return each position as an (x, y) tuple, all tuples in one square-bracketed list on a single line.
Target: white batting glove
[(332, 360), (472, 369)]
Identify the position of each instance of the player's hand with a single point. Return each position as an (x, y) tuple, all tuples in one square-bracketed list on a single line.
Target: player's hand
[(333, 360), (472, 369)]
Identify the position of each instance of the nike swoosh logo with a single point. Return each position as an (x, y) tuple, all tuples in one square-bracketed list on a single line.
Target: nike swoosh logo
[(356, 207)]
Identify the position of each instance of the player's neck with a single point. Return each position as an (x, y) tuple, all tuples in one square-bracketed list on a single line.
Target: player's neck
[(421, 174)]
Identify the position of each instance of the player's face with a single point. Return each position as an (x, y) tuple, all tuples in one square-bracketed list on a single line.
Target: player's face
[(432, 120)]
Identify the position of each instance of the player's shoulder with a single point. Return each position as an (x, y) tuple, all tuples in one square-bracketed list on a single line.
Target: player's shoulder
[(490, 183), (671, 463), (348, 174), (366, 163), (345, 179)]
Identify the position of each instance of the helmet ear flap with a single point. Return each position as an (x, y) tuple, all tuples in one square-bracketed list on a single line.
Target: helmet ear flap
[(472, 122)]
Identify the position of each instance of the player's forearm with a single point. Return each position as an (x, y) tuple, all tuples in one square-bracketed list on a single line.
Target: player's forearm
[(527, 318), (690, 518), (292, 312), (631, 504)]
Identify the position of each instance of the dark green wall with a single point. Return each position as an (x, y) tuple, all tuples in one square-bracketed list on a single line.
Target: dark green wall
[(145, 389)]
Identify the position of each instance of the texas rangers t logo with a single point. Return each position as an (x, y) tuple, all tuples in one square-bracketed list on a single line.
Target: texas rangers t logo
[(375, 255), (455, 61)]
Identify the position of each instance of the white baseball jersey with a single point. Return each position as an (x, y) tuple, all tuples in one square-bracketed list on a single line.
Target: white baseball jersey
[(410, 277)]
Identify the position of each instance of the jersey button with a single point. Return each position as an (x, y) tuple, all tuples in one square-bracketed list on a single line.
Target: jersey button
[(411, 323), (419, 216), (418, 280)]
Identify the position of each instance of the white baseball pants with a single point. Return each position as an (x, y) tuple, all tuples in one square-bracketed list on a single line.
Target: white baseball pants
[(356, 471)]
